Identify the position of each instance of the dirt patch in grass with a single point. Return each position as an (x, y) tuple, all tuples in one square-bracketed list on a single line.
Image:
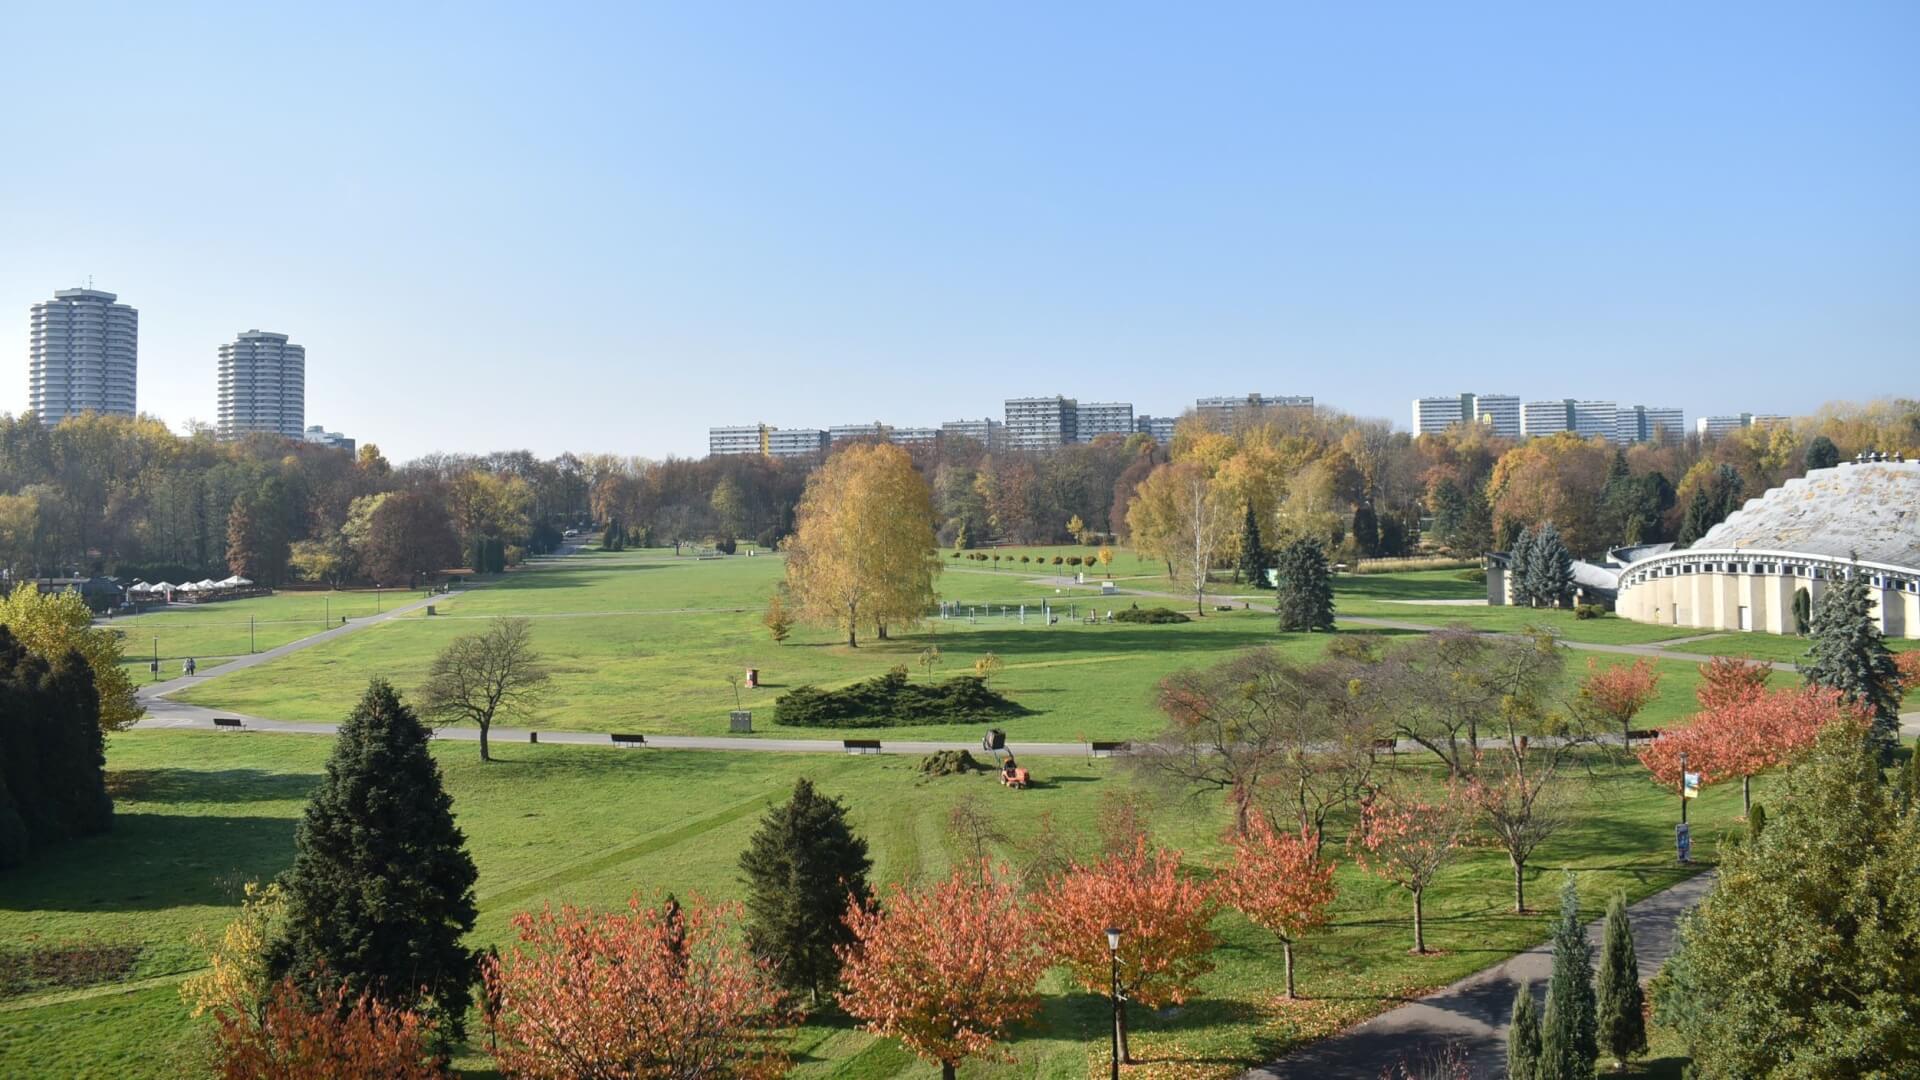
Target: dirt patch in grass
[(67, 965)]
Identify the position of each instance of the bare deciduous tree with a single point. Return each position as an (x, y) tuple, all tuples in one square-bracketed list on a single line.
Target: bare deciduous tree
[(486, 676)]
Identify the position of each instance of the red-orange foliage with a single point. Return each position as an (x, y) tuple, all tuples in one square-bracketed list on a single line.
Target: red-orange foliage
[(646, 993), (1729, 680), (1406, 840), (1909, 665), (1747, 734), (1278, 881), (338, 1039), (1162, 918), (1617, 693), (944, 969)]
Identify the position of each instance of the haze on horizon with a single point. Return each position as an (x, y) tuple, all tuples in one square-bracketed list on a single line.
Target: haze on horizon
[(602, 228)]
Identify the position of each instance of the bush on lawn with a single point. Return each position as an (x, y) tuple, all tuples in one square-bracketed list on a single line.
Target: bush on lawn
[(1155, 615), (892, 701), (1589, 611)]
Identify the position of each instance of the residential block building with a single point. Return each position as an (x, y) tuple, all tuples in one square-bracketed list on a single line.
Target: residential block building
[(1593, 419), (83, 353), (1096, 418), (1042, 423), (1647, 423), (1545, 417), (989, 432), (262, 387), (1160, 427), (1432, 415), (1499, 412), (766, 440), (319, 434), (1225, 408)]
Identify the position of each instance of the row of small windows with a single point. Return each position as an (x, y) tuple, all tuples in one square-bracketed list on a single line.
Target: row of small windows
[(1800, 570)]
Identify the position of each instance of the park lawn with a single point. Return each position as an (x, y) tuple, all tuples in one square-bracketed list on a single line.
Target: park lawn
[(200, 813), (221, 629), (1775, 647)]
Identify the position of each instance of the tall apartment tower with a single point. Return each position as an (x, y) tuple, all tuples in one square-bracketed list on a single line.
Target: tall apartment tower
[(1042, 423), (1096, 418), (263, 387), (83, 352)]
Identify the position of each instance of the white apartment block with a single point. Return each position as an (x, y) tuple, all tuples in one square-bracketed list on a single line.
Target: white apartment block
[(1097, 418), (989, 433), (1499, 412), (1594, 419), (914, 436), (840, 433), (1041, 423), (263, 387), (1159, 427), (1713, 427), (794, 442), (1545, 418), (1229, 406), (83, 353), (1433, 415), (1648, 423)]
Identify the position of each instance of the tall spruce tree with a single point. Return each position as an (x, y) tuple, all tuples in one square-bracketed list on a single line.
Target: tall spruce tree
[(1449, 510), (380, 892), (801, 868), (1699, 518), (1523, 1036), (1621, 1019), (1550, 568), (1520, 569), (1303, 586), (1366, 531), (1568, 1036), (1849, 654), (1253, 554)]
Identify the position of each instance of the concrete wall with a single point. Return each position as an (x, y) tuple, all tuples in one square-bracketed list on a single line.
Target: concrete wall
[(1717, 600)]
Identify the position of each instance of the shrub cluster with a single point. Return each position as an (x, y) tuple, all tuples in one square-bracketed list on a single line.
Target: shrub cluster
[(53, 784), (892, 701), (1154, 615), (1590, 611)]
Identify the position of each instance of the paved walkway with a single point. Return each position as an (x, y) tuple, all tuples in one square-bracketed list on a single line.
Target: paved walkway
[(1473, 1012)]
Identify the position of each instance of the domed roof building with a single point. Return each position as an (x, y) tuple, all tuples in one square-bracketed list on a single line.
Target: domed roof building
[(1860, 516)]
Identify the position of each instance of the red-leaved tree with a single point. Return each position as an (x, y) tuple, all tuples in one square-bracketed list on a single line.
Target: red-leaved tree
[(1617, 692), (1162, 918), (1277, 880), (944, 969), (1729, 680), (650, 992), (1908, 664), (335, 1039), (1745, 734), (1406, 840)]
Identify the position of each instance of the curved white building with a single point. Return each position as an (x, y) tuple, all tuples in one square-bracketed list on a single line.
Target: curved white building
[(263, 386), (83, 355), (1743, 574)]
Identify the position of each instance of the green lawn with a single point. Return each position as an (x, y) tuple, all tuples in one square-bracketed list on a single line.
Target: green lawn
[(200, 813), (231, 628)]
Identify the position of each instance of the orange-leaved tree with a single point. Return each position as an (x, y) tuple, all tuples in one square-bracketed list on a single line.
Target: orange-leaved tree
[(334, 1038), (1162, 918), (1278, 880), (649, 992), (1617, 693), (1745, 735), (1405, 839), (1729, 680), (944, 969)]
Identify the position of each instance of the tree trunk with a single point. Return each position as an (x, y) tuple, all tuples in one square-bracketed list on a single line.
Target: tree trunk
[(483, 743), (1286, 947), (946, 1070), (1746, 796), (1519, 887), (1120, 1017), (1419, 928)]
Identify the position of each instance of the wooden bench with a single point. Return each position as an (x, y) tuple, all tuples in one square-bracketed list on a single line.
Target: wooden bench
[(229, 723), (1108, 749), (1017, 779), (628, 740), (1642, 734), (1391, 746), (861, 746)]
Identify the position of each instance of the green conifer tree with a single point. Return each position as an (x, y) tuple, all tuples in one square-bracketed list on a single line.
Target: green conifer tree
[(380, 893), (1550, 568), (1849, 654), (1253, 554), (1523, 1036), (1699, 518), (1910, 779), (1821, 453), (1568, 1035), (1621, 1020), (801, 867), (1366, 531), (1303, 587), (1756, 823), (1520, 569)]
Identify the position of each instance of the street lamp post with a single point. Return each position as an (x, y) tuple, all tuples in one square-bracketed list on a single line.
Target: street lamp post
[(1119, 1009), (1683, 787)]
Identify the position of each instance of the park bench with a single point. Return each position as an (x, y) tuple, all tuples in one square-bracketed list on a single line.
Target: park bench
[(1016, 778), (1107, 749), (1391, 746), (1642, 734), (229, 723), (628, 740), (861, 746)]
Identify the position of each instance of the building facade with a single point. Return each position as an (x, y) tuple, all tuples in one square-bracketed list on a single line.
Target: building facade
[(1096, 418), (1042, 423), (766, 440), (1594, 419), (989, 432), (1225, 408), (1648, 423), (1433, 415), (1499, 413), (319, 434), (1713, 427), (83, 355), (1545, 418), (263, 387), (1159, 427)]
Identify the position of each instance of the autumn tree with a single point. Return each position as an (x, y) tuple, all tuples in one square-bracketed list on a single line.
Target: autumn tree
[(862, 552), (944, 969), (480, 678), (1730, 680), (650, 992), (51, 624), (1616, 693), (778, 622), (1404, 839), (1278, 881), (1176, 518), (1746, 735), (1105, 556), (237, 978), (338, 1036), (1559, 478), (409, 537), (1162, 918)]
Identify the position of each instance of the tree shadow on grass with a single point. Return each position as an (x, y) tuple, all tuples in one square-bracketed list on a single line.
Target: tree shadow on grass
[(171, 785), (152, 862)]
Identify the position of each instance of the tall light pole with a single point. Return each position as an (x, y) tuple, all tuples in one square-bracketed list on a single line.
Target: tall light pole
[(1119, 1017), (1683, 787)]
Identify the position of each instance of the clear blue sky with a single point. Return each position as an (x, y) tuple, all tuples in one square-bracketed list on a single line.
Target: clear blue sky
[(605, 228)]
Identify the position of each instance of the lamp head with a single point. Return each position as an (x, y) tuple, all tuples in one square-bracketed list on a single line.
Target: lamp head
[(1113, 939)]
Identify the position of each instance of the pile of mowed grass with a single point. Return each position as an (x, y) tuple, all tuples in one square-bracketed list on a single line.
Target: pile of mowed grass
[(891, 701)]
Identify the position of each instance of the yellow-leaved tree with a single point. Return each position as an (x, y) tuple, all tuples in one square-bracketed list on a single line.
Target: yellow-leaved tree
[(51, 623), (236, 978), (862, 551)]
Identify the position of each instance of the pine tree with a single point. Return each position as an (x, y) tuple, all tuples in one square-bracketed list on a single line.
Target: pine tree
[(1304, 587), (1568, 1036), (1366, 531), (1849, 654), (1550, 568), (1821, 453), (1910, 779), (74, 751), (1802, 611), (380, 892), (1621, 1022), (803, 866), (1699, 518), (1523, 1036), (1253, 554), (1449, 512), (1520, 569)]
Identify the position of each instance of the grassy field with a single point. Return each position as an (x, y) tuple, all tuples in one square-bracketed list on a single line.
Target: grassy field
[(645, 641), (201, 813), (215, 631)]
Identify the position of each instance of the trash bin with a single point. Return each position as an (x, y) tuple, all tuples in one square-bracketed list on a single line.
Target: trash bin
[(429, 609), (753, 678), (741, 721)]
